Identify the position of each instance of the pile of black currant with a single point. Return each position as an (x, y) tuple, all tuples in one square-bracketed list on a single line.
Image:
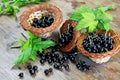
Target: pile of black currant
[(98, 43), (67, 36), (61, 61), (43, 22)]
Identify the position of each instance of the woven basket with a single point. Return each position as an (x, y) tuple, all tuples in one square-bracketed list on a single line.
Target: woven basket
[(115, 50), (76, 35), (57, 14)]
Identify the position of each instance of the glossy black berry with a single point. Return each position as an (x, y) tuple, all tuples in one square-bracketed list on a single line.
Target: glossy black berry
[(50, 61), (50, 70), (58, 66), (32, 71), (66, 66), (35, 67), (42, 61), (21, 75), (46, 72)]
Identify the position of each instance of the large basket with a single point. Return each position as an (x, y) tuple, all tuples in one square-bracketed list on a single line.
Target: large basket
[(57, 14), (115, 50), (76, 35)]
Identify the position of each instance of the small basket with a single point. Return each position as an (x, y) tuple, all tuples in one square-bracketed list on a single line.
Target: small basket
[(57, 14), (76, 35), (100, 56)]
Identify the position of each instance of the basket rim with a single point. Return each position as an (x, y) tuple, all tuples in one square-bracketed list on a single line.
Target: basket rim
[(45, 6), (68, 47), (104, 54)]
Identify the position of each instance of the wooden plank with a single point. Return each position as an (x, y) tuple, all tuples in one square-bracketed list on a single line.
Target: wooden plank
[(10, 30)]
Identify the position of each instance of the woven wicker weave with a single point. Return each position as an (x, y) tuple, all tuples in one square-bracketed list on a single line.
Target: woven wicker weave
[(76, 35), (115, 50), (57, 14)]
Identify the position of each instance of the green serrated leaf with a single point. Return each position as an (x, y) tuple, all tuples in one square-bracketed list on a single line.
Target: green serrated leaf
[(107, 27), (106, 8), (88, 15), (25, 45), (108, 16), (1, 9), (24, 56), (84, 23), (76, 16), (20, 40), (20, 3), (92, 27), (16, 10), (84, 9), (33, 55), (32, 36), (6, 1), (45, 44)]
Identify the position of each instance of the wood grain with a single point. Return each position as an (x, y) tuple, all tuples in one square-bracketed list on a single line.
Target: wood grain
[(10, 30)]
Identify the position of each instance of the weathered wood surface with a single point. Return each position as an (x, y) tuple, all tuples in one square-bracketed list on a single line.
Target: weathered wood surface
[(10, 30)]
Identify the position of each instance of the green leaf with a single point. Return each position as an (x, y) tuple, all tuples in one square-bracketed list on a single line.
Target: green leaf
[(6, 1), (108, 16), (20, 40), (32, 36), (9, 8), (25, 45), (88, 15), (45, 44), (84, 23), (31, 46), (16, 10), (107, 27), (106, 8), (20, 3), (1, 9), (24, 56), (84, 9), (92, 27), (76, 16), (33, 55)]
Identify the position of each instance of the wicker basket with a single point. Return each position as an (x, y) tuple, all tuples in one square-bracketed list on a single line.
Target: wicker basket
[(76, 35), (100, 57), (57, 14)]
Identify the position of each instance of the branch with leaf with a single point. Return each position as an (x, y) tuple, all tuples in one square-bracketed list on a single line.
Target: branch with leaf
[(92, 19), (31, 46), (13, 6)]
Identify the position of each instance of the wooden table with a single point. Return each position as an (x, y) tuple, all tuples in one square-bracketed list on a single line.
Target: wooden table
[(10, 30)]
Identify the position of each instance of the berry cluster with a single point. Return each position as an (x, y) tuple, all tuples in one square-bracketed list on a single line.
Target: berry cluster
[(43, 22), (98, 43), (82, 66), (67, 36), (48, 71), (61, 61), (32, 70)]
